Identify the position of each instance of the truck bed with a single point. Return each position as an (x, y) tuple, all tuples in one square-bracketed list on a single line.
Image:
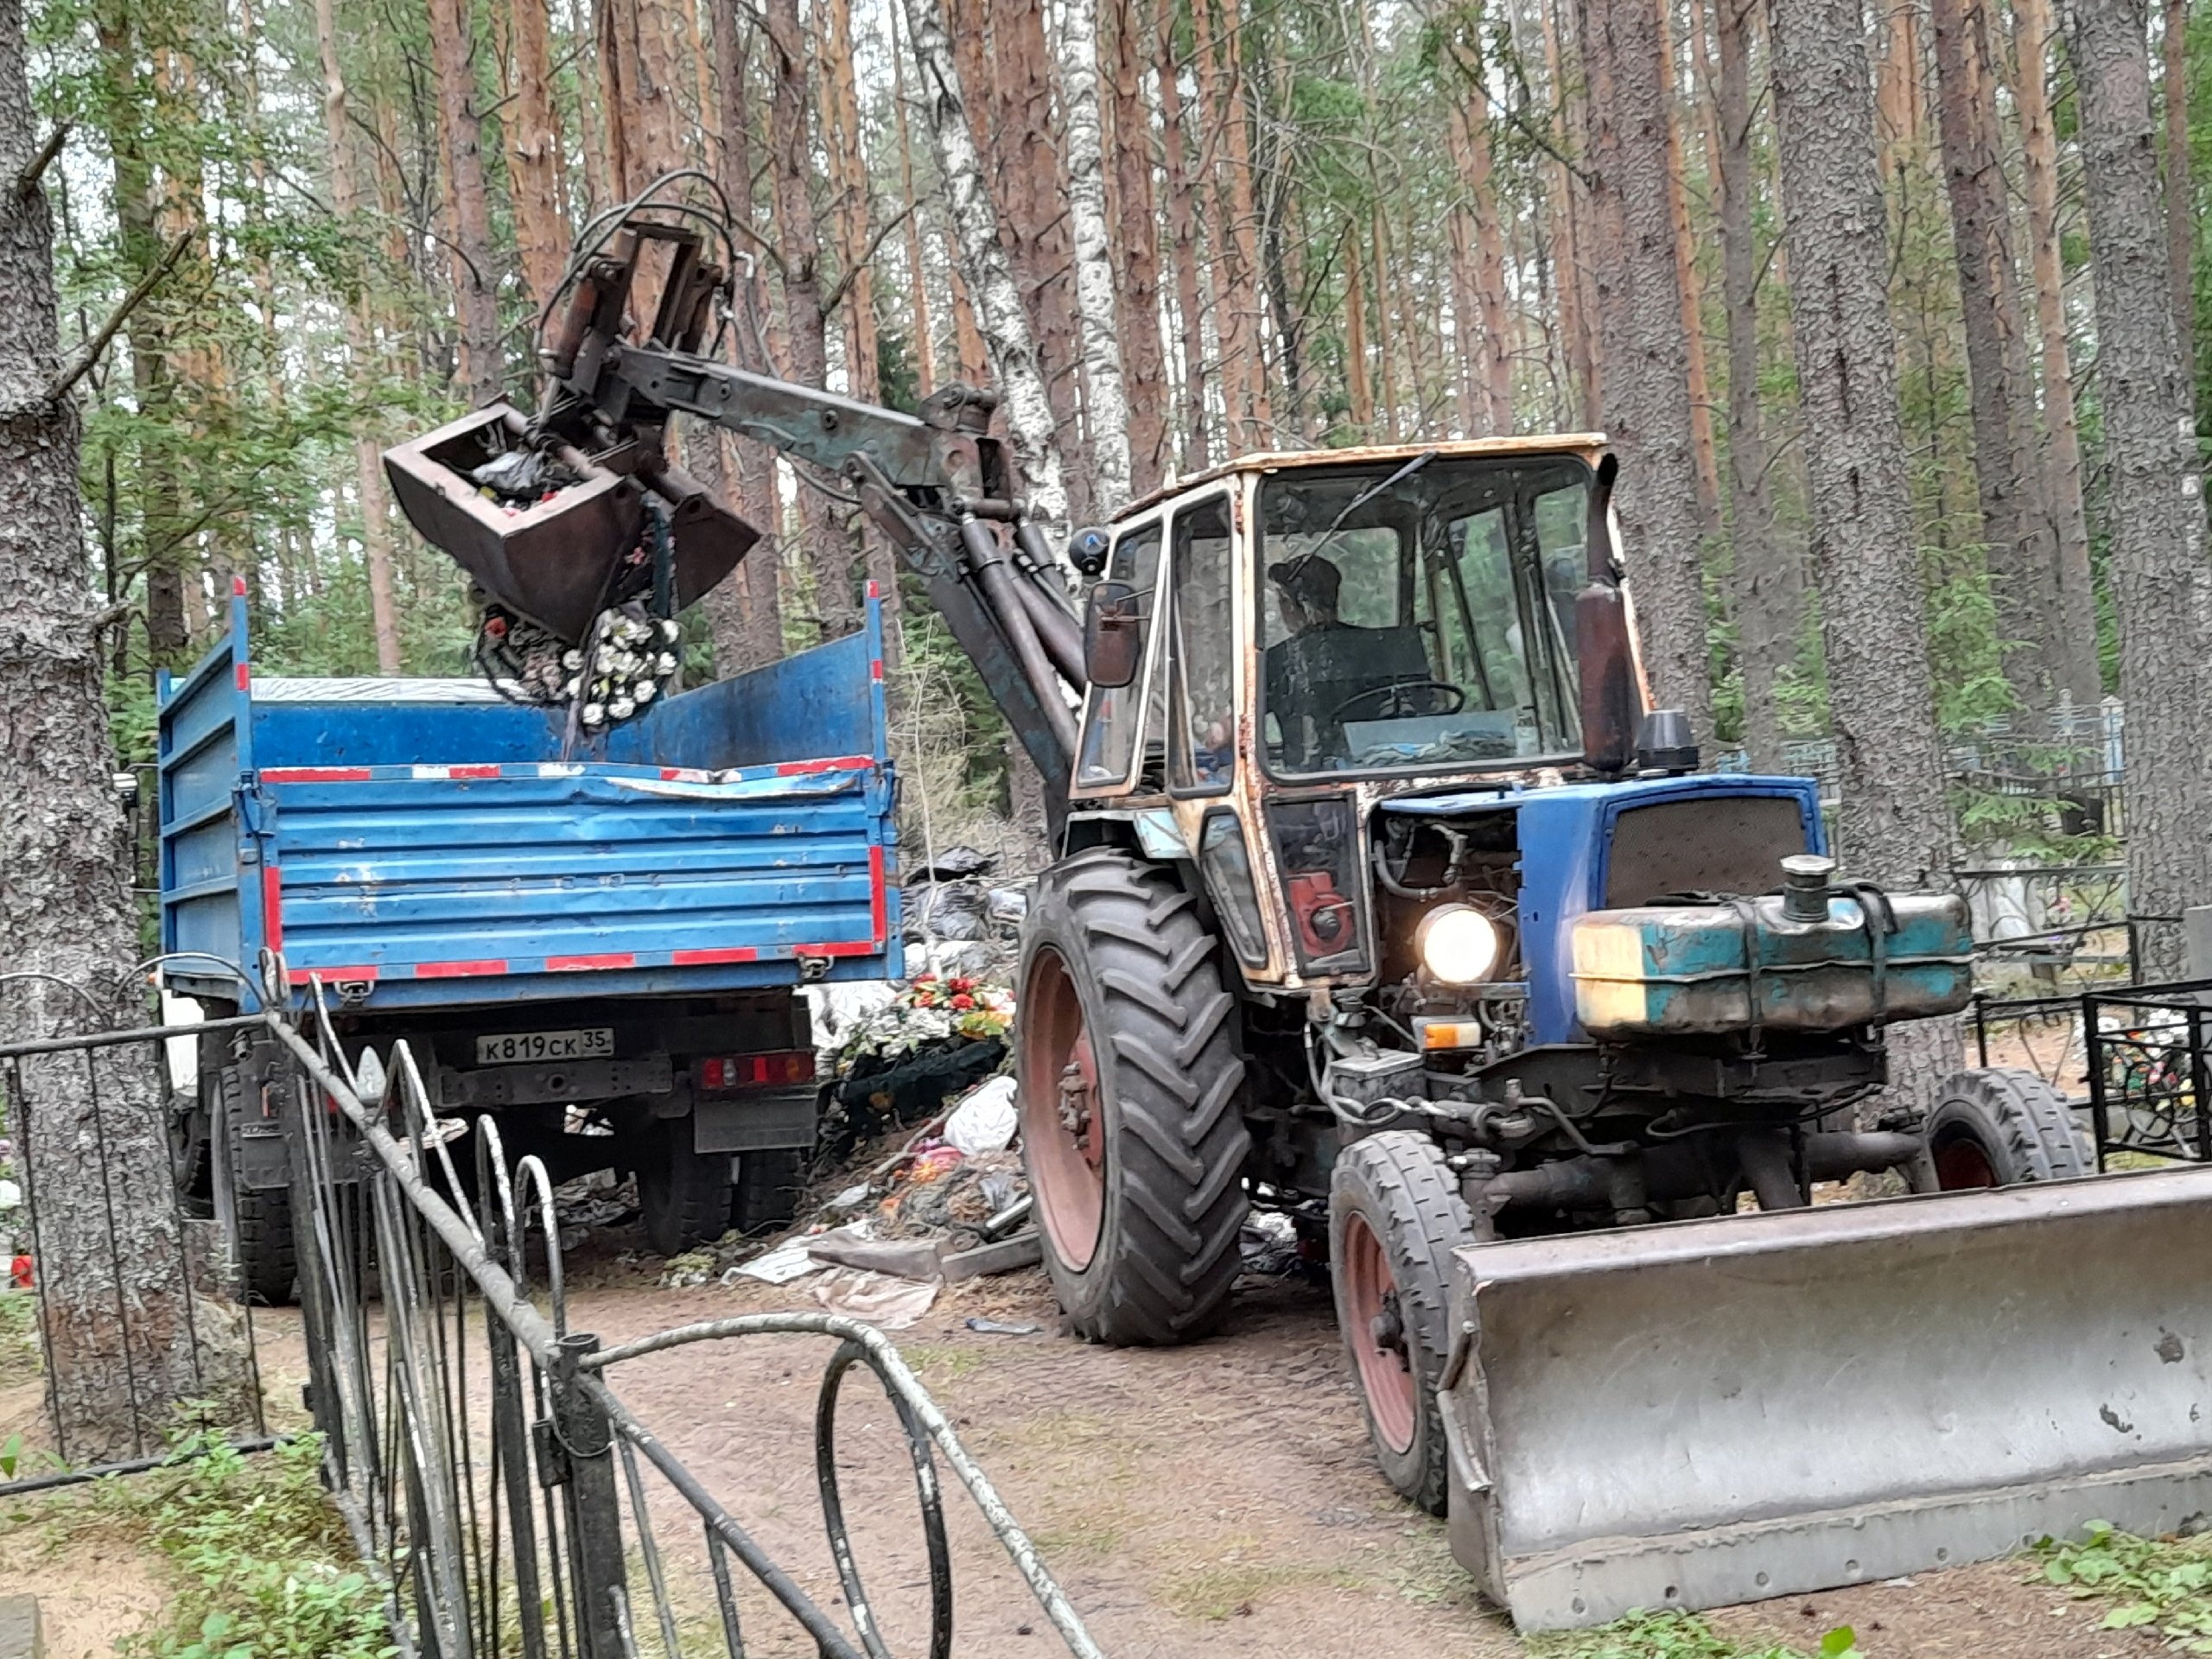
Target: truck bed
[(422, 843)]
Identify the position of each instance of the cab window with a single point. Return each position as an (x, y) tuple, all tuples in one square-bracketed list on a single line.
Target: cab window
[(1114, 716), (1202, 731)]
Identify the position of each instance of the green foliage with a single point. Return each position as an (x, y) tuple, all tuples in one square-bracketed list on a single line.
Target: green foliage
[(2164, 1584), (1679, 1636), (265, 1568), (20, 1351)]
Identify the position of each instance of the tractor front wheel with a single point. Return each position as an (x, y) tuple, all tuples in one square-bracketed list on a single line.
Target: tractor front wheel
[(1998, 1127), (1131, 1077), (1395, 1216)]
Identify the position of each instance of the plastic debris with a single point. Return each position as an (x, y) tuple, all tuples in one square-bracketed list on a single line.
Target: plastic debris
[(781, 1265), (986, 1120), (877, 1299), (1002, 1328)]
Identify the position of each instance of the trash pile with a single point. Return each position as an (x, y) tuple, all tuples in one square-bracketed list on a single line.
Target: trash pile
[(624, 663), (949, 1205), (950, 899), (897, 1061)]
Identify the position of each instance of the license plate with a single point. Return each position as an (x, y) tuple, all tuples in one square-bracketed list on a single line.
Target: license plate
[(520, 1047)]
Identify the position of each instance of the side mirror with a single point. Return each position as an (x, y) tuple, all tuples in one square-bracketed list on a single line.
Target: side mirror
[(1613, 704), (1113, 634)]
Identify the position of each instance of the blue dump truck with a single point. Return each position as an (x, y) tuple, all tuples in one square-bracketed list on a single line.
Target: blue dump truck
[(603, 946)]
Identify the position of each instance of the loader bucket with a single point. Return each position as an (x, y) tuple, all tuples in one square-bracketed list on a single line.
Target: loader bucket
[(550, 561), (1707, 1412)]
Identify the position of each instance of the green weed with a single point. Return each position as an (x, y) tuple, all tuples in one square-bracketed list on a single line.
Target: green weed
[(20, 1354), (264, 1568), (1677, 1636), (2166, 1584)]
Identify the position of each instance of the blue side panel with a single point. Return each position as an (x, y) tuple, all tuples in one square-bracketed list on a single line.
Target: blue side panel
[(389, 734), (818, 703), (209, 856), (1564, 835)]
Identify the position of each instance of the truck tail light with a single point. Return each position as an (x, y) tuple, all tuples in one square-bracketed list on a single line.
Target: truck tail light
[(757, 1071)]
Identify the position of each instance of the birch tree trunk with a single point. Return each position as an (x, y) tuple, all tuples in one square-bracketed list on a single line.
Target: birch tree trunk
[(1106, 403), (1136, 211), (368, 465), (1769, 582), (1646, 380), (475, 278), (2022, 552), (2033, 29), (119, 1315), (1000, 316), (2161, 585), (1894, 825)]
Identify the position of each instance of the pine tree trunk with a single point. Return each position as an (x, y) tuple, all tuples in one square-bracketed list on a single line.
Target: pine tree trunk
[(829, 550), (2033, 29), (475, 278), (118, 1318), (2161, 585), (1578, 299), (2022, 552), (2180, 193), (533, 140), (1702, 450), (1182, 231), (917, 275), (1769, 582), (1894, 827), (368, 466), (1646, 380), (1001, 317), (1136, 212), (1485, 349), (1105, 400)]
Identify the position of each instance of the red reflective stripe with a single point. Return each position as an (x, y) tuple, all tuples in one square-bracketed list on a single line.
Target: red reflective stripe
[(684, 775), (335, 975), (877, 904), (572, 964), (272, 907), (245, 676), (876, 668), (238, 585), (842, 763), (457, 970), (707, 958), (472, 771), (314, 774), (847, 948)]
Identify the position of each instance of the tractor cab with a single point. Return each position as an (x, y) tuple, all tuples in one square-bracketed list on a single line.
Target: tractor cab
[(1278, 647)]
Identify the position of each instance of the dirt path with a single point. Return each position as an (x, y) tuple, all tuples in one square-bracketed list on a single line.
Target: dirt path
[(1216, 1500)]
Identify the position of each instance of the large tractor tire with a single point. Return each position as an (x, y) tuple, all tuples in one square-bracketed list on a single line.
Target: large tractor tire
[(684, 1196), (1395, 1215), (1997, 1127), (1131, 1068)]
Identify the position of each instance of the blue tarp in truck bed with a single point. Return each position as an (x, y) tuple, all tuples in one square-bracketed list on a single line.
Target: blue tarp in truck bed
[(426, 844)]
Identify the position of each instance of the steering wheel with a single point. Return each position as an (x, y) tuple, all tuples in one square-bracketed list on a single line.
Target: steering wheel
[(1401, 698)]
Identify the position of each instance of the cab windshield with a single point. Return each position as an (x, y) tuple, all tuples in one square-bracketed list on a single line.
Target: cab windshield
[(1419, 614)]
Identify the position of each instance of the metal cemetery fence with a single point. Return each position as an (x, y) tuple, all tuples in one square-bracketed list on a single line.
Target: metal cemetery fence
[(484, 1461)]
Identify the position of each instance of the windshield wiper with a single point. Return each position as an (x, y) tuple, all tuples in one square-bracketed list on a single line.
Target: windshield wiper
[(1374, 490)]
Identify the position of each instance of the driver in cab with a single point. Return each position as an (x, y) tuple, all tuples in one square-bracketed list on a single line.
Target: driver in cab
[(1326, 662)]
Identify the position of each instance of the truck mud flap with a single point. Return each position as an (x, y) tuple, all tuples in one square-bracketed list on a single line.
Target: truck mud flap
[(1709, 1412)]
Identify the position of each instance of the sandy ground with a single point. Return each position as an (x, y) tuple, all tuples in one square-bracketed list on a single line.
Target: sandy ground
[(1215, 1500)]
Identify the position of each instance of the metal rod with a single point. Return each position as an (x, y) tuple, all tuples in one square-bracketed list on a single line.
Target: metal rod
[(31, 1483), (135, 1035)]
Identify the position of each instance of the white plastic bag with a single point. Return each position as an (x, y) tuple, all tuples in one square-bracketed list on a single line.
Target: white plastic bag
[(986, 1120)]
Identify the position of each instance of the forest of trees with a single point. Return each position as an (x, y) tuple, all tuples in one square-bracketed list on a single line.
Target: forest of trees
[(1892, 313)]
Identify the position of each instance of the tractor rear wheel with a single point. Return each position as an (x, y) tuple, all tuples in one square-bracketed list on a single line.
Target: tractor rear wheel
[(1131, 1076), (1998, 1127), (1395, 1216)]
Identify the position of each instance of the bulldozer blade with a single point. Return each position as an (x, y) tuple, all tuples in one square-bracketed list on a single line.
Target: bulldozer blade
[(1701, 1412), (550, 561)]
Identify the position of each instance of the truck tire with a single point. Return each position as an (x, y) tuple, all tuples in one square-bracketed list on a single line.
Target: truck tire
[(1129, 1055), (1395, 1216), (684, 1196), (257, 1225), (768, 1189), (1997, 1128)]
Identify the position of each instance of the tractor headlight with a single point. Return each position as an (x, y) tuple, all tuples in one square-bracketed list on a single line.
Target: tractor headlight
[(1457, 945)]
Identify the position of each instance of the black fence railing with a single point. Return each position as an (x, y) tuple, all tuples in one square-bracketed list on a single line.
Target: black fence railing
[(510, 1502)]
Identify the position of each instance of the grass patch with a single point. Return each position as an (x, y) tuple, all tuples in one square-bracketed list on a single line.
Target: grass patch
[(2162, 1583), (1229, 1587), (942, 1362), (20, 1355), (1676, 1636), (260, 1563), (1421, 1567)]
